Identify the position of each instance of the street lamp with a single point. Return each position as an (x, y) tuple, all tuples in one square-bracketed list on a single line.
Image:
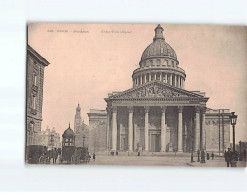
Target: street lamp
[(233, 119)]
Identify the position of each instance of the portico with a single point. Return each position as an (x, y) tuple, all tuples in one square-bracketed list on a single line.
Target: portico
[(154, 117)]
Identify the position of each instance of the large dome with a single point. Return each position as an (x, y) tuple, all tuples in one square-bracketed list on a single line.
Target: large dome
[(159, 62), (159, 48)]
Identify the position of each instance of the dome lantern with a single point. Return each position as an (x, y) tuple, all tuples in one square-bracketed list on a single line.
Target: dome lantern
[(159, 33)]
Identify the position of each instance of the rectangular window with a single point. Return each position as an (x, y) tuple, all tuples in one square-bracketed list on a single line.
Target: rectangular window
[(34, 102), (35, 80)]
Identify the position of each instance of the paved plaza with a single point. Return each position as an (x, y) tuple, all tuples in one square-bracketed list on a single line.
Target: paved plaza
[(159, 160)]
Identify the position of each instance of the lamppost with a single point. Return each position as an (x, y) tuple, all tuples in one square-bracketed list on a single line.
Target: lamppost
[(233, 119)]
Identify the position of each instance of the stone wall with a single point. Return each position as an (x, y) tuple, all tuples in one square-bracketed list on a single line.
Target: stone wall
[(97, 130)]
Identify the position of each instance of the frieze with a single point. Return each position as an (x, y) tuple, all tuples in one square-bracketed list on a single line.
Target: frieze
[(216, 122), (153, 90)]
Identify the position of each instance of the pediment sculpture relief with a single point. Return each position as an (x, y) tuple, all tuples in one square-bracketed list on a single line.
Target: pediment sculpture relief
[(153, 91)]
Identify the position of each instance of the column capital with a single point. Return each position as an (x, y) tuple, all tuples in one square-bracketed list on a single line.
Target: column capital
[(147, 108), (163, 108), (197, 109), (114, 108), (180, 108), (203, 109), (130, 108)]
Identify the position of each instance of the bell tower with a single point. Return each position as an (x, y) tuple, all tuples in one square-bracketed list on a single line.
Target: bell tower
[(78, 120)]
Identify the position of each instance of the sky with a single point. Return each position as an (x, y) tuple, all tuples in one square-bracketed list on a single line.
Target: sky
[(88, 61)]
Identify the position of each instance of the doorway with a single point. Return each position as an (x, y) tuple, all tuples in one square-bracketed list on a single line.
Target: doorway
[(154, 143)]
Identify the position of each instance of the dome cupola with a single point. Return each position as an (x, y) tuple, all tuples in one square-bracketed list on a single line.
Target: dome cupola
[(159, 62)]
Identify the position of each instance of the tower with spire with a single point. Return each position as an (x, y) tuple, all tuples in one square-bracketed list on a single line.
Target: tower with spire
[(78, 120), (81, 129)]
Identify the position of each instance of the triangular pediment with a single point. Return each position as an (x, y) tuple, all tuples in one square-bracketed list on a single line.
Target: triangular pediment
[(155, 89)]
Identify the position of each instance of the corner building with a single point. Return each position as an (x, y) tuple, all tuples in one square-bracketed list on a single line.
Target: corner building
[(34, 95), (158, 115)]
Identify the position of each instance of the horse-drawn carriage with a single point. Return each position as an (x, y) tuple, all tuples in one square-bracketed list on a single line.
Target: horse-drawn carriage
[(75, 155), (36, 154)]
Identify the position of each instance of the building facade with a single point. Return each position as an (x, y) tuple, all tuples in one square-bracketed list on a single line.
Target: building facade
[(34, 95), (97, 130), (49, 138), (158, 114), (81, 130)]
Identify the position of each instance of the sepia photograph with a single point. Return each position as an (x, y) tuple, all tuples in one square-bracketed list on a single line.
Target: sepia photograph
[(136, 95)]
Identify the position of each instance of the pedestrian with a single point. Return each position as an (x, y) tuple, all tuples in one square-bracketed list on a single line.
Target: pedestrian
[(138, 154), (94, 157), (191, 157), (198, 155), (116, 153), (49, 154), (55, 155), (212, 155), (244, 154), (225, 155), (228, 157), (208, 156)]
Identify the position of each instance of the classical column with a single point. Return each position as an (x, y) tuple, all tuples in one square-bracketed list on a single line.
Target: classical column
[(108, 109), (147, 108), (114, 128), (170, 80), (203, 111), (166, 81), (161, 76), (180, 128), (141, 79), (149, 77), (130, 139), (179, 81), (155, 76), (163, 129), (197, 128), (145, 78), (175, 80)]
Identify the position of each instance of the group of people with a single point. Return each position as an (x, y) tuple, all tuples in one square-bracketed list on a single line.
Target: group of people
[(112, 153), (230, 156), (53, 154)]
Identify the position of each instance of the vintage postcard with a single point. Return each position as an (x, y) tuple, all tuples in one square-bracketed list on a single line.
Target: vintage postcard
[(136, 94)]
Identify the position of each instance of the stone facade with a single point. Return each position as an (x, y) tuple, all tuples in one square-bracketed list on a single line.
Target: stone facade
[(157, 114), (81, 130), (217, 130), (97, 130), (34, 95), (46, 137)]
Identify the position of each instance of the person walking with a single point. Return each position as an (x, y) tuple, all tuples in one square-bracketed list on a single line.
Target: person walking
[(94, 157), (198, 155), (244, 155), (228, 157), (55, 155), (212, 155), (208, 156)]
